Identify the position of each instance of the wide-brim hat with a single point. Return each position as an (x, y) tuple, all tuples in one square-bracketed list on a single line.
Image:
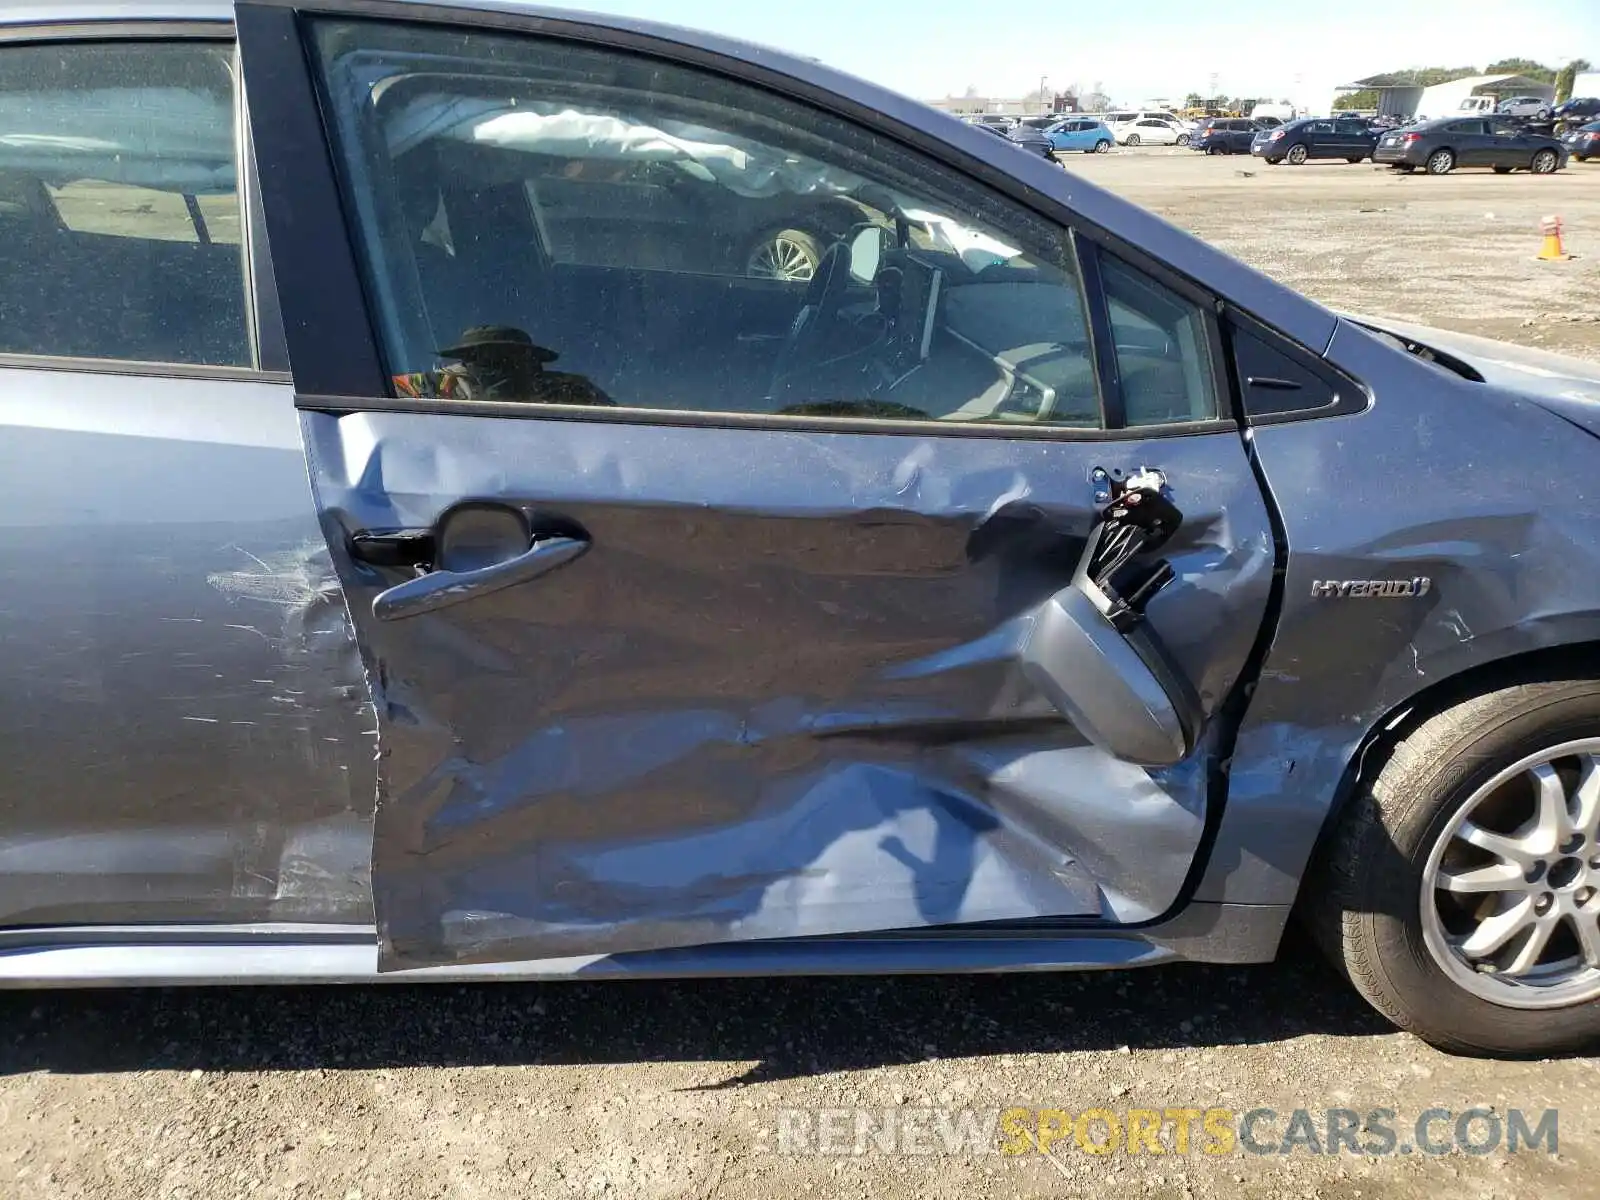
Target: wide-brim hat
[(483, 337)]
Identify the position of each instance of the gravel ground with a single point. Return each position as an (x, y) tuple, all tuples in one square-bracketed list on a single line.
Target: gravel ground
[(681, 1090), (1456, 251)]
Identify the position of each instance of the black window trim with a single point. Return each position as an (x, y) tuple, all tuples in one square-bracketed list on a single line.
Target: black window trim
[(1354, 396), (283, 24), (269, 361)]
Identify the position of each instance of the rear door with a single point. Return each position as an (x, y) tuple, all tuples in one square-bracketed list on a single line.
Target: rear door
[(678, 637), (1321, 140), (1471, 141), (1507, 145), (1353, 138)]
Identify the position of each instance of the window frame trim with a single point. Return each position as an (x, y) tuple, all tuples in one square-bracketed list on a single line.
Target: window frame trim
[(268, 362), (1354, 396)]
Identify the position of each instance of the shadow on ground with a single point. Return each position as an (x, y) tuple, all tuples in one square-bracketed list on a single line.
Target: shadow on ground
[(789, 1027)]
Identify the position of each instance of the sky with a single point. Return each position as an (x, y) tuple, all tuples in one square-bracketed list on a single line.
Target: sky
[(1156, 48)]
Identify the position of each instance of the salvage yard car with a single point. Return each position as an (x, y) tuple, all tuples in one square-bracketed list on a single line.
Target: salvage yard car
[(406, 582), (1583, 143), (1442, 145), (1298, 142), (1151, 131), (1225, 135), (1080, 133)]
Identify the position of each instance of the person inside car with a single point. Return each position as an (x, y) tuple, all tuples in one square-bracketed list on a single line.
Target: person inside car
[(501, 362)]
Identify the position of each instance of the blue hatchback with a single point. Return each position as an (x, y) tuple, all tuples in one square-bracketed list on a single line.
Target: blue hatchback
[(1081, 133)]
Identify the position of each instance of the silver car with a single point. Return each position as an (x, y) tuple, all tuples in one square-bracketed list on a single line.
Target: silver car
[(417, 571)]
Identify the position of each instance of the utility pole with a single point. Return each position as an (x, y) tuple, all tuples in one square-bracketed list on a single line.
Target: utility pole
[(1044, 97)]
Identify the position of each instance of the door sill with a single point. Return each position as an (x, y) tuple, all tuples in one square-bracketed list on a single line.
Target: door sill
[(183, 955)]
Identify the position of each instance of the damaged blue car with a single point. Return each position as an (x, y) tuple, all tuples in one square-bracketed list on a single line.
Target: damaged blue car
[(499, 493)]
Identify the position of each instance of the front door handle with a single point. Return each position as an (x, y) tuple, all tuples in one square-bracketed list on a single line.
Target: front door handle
[(440, 589)]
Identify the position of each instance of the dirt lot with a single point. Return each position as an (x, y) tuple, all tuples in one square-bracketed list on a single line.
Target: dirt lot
[(1457, 251), (675, 1090)]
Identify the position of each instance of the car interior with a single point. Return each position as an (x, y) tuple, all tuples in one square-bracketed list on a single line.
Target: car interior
[(87, 197), (908, 314)]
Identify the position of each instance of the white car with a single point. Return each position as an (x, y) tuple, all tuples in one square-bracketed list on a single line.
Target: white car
[(1151, 131), (1525, 106), (1129, 116)]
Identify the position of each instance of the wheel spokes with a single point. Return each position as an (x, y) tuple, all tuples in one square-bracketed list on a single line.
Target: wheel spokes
[(1587, 927), (1551, 821), (1497, 877), (1527, 956), (1512, 891), (1494, 932), (1586, 811), (1510, 849)]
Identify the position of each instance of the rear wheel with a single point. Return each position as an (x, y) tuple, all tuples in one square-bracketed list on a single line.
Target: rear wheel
[(1183, 139), (1133, 140), (1102, 147), (1441, 162), (1461, 893), (1544, 162), (1297, 155)]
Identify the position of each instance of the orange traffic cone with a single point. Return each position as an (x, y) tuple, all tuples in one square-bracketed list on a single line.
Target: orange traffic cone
[(1553, 250)]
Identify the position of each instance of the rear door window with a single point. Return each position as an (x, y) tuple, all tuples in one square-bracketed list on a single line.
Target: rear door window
[(122, 236)]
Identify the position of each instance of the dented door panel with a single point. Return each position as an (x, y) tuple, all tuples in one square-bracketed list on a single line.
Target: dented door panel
[(779, 695)]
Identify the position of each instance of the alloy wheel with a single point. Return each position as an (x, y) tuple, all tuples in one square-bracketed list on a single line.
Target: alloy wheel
[(1297, 155), (783, 258), (1133, 140), (1544, 162), (1511, 889)]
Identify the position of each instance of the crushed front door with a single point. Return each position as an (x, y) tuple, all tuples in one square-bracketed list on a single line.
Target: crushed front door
[(736, 656)]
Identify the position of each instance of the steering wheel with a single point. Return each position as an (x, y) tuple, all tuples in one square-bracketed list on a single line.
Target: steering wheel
[(808, 333)]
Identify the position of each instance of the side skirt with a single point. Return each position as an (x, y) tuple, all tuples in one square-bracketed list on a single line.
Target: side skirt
[(183, 955)]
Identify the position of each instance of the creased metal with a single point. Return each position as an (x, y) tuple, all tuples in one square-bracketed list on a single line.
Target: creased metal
[(779, 696), (1487, 492)]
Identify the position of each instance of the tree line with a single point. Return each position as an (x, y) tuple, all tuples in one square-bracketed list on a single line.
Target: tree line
[(1562, 77)]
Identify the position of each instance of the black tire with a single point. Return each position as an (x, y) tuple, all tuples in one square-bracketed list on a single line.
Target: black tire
[(1102, 147), (1356, 159), (1364, 903), (1210, 150), (1133, 140), (1441, 162), (1502, 170), (766, 255), (1546, 162), (1297, 155), (1183, 139)]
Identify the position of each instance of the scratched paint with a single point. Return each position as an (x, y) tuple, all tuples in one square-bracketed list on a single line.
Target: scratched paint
[(152, 774)]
